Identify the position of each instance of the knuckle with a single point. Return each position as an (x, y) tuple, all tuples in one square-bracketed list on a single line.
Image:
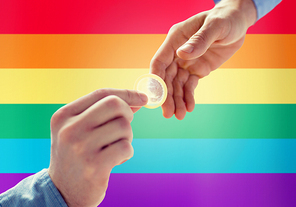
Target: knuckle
[(103, 92), (175, 28), (114, 102), (158, 66), (118, 107), (68, 133), (125, 148), (215, 20), (58, 117), (206, 72), (80, 150), (222, 24), (125, 127), (124, 124)]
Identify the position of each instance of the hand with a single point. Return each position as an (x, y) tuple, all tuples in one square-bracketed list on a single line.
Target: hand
[(88, 138), (197, 46)]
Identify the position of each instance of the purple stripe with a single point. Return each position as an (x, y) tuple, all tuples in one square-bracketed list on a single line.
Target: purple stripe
[(9, 180), (188, 190)]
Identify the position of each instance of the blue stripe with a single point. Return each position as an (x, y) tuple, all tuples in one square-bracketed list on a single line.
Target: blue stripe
[(170, 156)]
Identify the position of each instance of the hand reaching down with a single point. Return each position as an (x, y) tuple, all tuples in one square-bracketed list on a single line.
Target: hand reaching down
[(197, 46)]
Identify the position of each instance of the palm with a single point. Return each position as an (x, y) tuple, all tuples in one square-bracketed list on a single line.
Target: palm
[(181, 70)]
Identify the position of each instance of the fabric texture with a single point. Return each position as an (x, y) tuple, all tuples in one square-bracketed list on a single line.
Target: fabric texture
[(34, 191), (262, 6)]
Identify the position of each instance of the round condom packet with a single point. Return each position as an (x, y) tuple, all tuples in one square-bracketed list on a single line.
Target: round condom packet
[(154, 87)]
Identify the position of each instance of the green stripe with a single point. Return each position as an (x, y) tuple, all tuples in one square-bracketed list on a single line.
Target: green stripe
[(207, 121), (26, 120)]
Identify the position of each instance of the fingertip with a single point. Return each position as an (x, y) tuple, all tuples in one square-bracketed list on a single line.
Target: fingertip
[(167, 114), (143, 97), (180, 115), (180, 109), (168, 108), (190, 107), (190, 102)]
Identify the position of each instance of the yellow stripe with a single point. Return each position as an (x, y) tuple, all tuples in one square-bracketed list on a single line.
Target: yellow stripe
[(235, 86), (238, 86)]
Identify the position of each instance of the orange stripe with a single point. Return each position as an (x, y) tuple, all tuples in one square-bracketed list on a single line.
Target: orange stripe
[(129, 51), (265, 51)]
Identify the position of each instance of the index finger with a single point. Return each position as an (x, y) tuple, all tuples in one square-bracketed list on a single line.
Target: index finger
[(165, 55), (131, 97)]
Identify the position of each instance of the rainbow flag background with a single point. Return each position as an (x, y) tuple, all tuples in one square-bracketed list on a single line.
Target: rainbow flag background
[(237, 148)]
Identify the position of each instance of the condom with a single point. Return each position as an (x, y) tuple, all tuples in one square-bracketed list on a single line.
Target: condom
[(154, 87)]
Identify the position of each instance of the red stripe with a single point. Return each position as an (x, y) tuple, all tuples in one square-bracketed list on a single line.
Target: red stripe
[(281, 20), (120, 17)]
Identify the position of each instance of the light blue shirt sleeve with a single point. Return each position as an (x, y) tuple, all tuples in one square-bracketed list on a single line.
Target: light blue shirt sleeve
[(262, 6), (34, 191)]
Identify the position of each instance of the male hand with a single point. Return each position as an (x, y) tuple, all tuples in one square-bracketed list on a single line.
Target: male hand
[(88, 138), (197, 46)]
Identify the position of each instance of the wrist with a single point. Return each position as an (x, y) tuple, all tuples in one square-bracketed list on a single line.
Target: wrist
[(249, 11), (245, 7)]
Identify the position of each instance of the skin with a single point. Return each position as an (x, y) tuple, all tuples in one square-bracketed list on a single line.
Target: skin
[(88, 138), (195, 47), (93, 134)]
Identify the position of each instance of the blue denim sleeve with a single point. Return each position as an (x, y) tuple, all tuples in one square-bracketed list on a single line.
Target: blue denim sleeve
[(262, 6), (34, 191)]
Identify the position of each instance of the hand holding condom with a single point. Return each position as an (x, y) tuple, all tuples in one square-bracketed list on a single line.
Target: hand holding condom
[(154, 87)]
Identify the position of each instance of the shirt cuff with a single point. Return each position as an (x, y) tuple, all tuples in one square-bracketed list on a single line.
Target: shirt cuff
[(35, 190), (262, 6)]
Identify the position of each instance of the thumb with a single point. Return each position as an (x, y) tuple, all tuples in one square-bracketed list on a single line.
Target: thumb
[(199, 43)]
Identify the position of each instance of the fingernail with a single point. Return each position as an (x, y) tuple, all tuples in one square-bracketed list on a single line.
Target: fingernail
[(143, 97), (187, 48)]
